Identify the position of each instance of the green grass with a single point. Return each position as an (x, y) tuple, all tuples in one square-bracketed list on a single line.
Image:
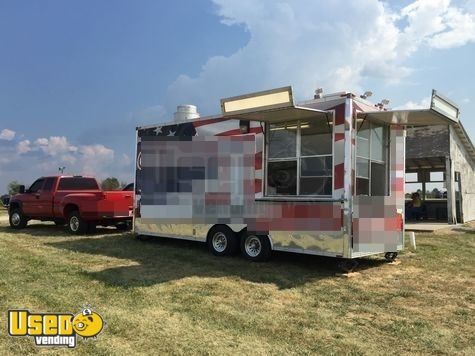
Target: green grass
[(170, 296)]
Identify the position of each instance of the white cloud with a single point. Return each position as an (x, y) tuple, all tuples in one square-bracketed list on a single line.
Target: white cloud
[(23, 146), (55, 145), (333, 44), (438, 24), (413, 105), (94, 158), (7, 134), (57, 151), (125, 160)]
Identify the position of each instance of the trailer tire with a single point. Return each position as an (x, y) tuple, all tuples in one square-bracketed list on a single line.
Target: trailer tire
[(390, 256), (256, 247), (348, 265), (76, 225), (222, 241), (17, 220)]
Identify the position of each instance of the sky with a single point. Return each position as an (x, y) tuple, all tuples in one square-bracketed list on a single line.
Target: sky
[(77, 77)]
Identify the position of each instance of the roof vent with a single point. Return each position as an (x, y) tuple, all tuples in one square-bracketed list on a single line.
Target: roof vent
[(186, 112)]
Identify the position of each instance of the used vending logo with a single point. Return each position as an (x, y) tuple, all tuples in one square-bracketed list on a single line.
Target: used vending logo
[(55, 329)]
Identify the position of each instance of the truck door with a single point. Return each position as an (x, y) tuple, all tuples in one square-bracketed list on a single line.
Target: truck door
[(45, 199), (31, 205), (377, 222)]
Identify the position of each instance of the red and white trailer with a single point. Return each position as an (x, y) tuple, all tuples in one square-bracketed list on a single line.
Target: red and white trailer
[(325, 177)]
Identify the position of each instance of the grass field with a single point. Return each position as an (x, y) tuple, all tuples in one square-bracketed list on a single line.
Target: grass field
[(169, 296)]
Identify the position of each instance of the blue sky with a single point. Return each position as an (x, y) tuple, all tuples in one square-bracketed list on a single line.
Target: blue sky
[(76, 77)]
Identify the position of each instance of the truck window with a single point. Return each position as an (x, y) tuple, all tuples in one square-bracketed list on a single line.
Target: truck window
[(371, 159), (36, 186), (77, 183), (300, 160), (48, 184)]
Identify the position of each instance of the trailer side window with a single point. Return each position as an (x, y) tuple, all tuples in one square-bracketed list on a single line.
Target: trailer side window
[(300, 158), (371, 159)]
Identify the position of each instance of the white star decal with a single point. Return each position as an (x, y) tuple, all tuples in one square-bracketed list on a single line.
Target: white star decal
[(171, 133), (158, 130)]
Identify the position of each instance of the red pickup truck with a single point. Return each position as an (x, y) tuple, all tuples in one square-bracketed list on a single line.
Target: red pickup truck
[(73, 200)]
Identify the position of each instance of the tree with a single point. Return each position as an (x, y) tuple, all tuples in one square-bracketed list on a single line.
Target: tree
[(13, 187), (111, 183)]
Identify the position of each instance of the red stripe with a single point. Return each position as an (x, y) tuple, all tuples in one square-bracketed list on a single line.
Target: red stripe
[(340, 114), (339, 175), (217, 198), (238, 132), (199, 123), (258, 164), (339, 136), (258, 185)]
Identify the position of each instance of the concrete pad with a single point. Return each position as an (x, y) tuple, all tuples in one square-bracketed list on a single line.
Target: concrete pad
[(428, 227)]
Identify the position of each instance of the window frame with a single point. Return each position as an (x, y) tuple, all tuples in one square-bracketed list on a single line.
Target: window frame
[(298, 157), (61, 189), (42, 180), (387, 146)]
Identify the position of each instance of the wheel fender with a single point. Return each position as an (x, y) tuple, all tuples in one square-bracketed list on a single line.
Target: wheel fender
[(236, 227), (14, 204)]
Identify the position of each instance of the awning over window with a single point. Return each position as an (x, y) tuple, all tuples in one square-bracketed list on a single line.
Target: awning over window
[(282, 114), (441, 112), (270, 106), (408, 117)]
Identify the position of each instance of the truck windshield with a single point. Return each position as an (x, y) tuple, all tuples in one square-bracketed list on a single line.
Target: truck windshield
[(77, 183)]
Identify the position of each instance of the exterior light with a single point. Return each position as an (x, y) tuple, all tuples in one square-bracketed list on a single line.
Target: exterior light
[(366, 94), (244, 126), (318, 93)]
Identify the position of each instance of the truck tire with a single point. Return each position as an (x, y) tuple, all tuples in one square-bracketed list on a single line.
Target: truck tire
[(124, 226), (17, 220), (222, 241), (76, 225), (256, 247)]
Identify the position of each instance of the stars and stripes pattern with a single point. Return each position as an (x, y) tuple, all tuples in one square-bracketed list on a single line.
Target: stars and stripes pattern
[(206, 127)]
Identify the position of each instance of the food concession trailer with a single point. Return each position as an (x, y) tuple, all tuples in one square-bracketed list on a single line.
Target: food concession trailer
[(325, 177)]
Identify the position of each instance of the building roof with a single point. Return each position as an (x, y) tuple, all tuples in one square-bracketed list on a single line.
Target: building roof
[(465, 138)]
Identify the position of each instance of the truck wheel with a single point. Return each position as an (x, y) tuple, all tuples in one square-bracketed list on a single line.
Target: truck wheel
[(76, 225), (222, 241), (125, 226), (256, 247), (17, 219)]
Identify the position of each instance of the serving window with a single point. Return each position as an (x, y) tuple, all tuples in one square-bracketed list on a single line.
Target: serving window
[(300, 158), (371, 159)]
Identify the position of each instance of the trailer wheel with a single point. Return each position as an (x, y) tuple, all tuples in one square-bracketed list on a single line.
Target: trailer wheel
[(222, 241), (390, 256), (76, 225), (347, 265), (256, 247), (17, 219)]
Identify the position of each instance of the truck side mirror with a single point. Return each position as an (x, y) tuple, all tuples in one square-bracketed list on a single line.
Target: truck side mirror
[(21, 189)]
